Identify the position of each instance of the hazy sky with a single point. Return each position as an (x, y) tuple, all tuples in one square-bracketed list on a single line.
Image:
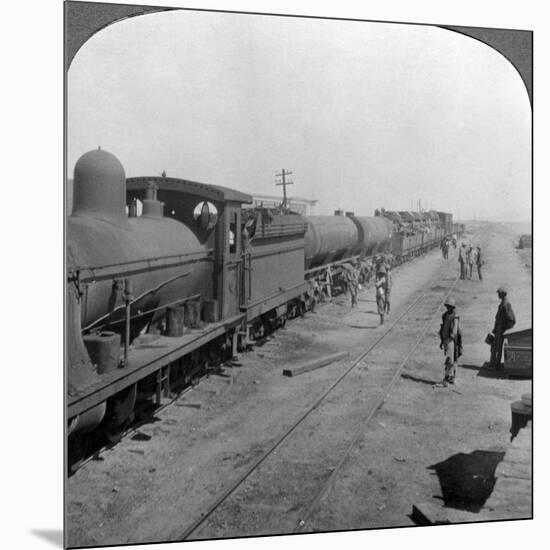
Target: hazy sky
[(364, 114)]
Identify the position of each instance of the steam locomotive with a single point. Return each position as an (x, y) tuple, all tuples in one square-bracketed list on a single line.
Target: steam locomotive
[(154, 296)]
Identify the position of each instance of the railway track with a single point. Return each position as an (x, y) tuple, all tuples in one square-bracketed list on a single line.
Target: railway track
[(290, 474)]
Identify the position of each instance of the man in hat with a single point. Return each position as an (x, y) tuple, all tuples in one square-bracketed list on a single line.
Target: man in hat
[(378, 262), (444, 245), (472, 259), (380, 287), (328, 283), (504, 320), (450, 340), (479, 262), (388, 288), (462, 252), (352, 279)]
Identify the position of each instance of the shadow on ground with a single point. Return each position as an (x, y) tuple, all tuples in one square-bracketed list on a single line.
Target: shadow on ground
[(467, 480), (486, 371), (420, 380)]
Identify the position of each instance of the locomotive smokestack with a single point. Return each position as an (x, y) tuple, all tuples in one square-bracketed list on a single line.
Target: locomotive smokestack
[(100, 187), (152, 207), (151, 192)]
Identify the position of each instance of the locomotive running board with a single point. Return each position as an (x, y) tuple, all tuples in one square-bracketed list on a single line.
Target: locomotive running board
[(145, 360)]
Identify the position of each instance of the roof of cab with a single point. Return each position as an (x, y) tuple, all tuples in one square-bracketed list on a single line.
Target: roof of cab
[(207, 191)]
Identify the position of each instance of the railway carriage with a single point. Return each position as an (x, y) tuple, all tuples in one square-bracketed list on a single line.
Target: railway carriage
[(167, 277)]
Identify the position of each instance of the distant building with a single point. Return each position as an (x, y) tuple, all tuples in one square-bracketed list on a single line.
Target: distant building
[(306, 207)]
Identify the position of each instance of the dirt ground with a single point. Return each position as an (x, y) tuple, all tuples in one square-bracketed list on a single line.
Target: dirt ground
[(425, 443)]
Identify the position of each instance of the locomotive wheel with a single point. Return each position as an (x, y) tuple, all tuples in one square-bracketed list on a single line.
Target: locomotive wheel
[(120, 409)]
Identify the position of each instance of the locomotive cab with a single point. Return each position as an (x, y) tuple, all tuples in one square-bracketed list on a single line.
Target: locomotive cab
[(213, 214)]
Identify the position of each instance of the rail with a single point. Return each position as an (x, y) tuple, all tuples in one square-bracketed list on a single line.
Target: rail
[(326, 486)]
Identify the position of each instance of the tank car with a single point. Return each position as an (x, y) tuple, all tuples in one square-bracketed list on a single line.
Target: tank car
[(329, 239), (375, 234)]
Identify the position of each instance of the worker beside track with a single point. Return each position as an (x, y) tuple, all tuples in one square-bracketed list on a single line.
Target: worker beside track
[(450, 341), (444, 245), (472, 259), (328, 283), (380, 286), (504, 320), (388, 289), (352, 280), (479, 262), (462, 260), (366, 271)]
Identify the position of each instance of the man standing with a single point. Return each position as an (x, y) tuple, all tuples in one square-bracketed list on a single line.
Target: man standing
[(450, 340), (352, 280), (388, 288), (479, 262), (366, 271), (472, 259), (378, 262), (504, 320), (462, 260), (445, 248), (328, 283), (380, 286)]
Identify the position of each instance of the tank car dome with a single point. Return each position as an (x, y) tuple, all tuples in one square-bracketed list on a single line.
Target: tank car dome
[(99, 186)]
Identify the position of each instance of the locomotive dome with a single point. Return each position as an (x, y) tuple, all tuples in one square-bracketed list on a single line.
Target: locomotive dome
[(99, 186)]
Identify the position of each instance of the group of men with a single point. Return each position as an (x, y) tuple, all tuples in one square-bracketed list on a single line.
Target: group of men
[(468, 256), (451, 337), (445, 245), (360, 272)]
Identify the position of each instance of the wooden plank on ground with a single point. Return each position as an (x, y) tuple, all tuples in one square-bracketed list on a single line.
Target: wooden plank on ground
[(316, 363), (428, 513)]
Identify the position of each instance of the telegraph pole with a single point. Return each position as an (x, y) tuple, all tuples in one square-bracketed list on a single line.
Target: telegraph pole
[(284, 183)]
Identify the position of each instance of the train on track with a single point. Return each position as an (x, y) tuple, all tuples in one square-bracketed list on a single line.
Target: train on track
[(166, 277)]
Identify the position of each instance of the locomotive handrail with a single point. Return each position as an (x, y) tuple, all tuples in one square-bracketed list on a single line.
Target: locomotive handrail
[(147, 312), (84, 273), (142, 295)]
